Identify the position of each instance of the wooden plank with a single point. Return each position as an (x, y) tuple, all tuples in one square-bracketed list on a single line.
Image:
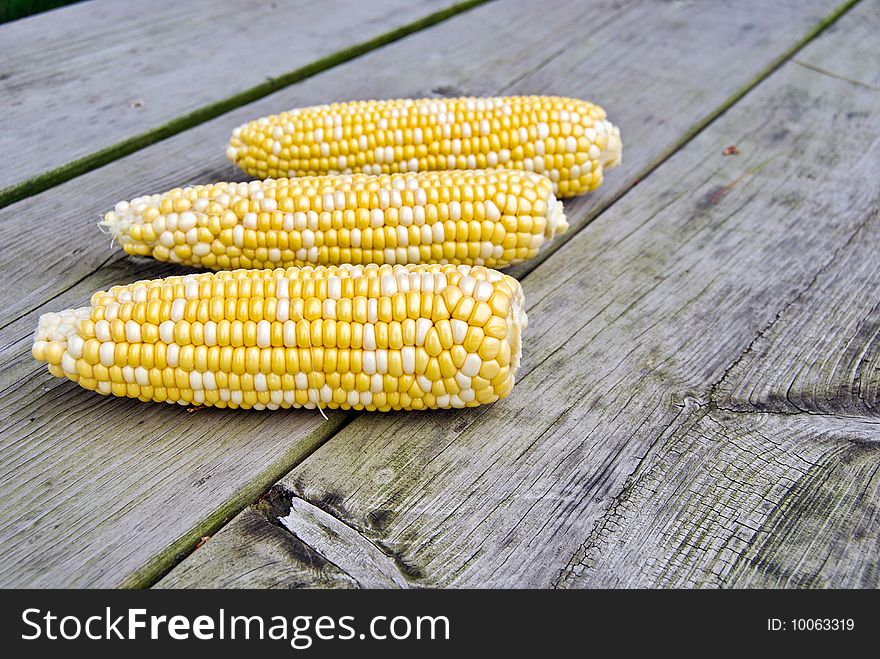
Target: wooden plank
[(261, 554), (796, 364), (58, 269), (117, 70), (248, 549), (744, 500), (632, 324), (825, 534)]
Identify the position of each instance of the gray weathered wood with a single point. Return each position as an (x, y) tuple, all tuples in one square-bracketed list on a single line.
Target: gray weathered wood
[(821, 353), (632, 324), (100, 491), (240, 452), (114, 70), (261, 554), (743, 500), (825, 534), (248, 549)]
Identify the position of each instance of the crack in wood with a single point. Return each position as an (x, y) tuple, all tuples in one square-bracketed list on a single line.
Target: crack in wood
[(857, 229), (831, 74)]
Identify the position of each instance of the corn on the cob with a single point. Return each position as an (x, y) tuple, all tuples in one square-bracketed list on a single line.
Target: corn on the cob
[(565, 139), (494, 218), (363, 337)]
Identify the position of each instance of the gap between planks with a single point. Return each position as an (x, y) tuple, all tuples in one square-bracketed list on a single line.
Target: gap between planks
[(521, 272), (58, 175)]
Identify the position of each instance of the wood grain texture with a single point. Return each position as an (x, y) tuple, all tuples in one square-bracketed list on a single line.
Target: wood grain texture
[(101, 491), (242, 548), (743, 500), (120, 69), (632, 325), (824, 534), (822, 353), (262, 554), (55, 269)]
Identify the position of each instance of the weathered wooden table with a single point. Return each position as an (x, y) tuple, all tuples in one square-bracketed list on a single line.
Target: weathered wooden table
[(700, 389)]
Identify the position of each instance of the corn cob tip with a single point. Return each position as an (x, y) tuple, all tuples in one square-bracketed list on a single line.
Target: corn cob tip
[(118, 222), (517, 322), (556, 221), (56, 340), (614, 151), (236, 149)]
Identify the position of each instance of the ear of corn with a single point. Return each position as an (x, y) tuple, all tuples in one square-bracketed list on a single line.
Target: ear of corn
[(374, 337), (568, 140), (494, 218)]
